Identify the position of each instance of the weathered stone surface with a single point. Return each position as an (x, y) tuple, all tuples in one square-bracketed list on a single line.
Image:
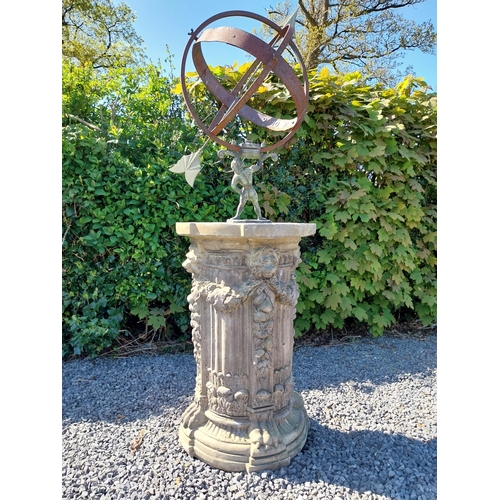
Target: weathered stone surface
[(270, 231), (245, 415)]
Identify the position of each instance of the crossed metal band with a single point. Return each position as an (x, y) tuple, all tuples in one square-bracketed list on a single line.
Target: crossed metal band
[(231, 102)]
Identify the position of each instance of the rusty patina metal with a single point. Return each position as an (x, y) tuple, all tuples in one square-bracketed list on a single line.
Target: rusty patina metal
[(267, 55)]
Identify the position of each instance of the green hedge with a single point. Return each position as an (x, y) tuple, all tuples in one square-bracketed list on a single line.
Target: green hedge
[(363, 167), (121, 256)]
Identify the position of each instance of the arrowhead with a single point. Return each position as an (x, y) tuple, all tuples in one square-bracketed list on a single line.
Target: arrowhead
[(290, 20)]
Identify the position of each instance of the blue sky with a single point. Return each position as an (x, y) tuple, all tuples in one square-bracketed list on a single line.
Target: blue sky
[(167, 22)]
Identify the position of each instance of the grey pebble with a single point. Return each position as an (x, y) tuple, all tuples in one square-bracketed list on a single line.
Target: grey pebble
[(372, 405)]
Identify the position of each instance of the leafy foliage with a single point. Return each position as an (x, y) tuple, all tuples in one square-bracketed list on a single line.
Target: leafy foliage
[(100, 34), (121, 256), (363, 168)]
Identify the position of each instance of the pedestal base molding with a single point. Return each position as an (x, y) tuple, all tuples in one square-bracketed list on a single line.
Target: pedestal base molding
[(246, 444)]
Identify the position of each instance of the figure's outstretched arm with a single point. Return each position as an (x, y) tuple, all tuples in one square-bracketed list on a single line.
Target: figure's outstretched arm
[(223, 152)]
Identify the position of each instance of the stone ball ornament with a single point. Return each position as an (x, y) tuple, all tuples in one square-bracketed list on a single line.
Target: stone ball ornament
[(232, 103)]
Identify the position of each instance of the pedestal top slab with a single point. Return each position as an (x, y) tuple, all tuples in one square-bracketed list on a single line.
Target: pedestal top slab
[(269, 230)]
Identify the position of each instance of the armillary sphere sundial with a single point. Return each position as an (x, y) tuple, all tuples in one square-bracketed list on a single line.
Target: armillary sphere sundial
[(246, 415), (268, 59)]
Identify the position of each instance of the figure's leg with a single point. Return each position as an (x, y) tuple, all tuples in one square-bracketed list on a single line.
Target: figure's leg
[(256, 207), (240, 208)]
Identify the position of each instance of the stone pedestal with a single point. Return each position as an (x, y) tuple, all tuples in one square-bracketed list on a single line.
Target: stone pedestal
[(245, 415)]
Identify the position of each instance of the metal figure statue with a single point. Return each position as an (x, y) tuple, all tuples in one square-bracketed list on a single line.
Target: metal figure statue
[(243, 176)]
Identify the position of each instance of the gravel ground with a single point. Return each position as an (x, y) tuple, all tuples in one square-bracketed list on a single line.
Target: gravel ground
[(372, 405)]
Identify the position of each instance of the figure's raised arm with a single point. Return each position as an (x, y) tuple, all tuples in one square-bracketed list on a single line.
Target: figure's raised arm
[(256, 167)]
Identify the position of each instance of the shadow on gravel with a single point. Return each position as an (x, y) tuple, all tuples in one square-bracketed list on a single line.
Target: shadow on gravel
[(386, 464), (377, 361), (128, 389)]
